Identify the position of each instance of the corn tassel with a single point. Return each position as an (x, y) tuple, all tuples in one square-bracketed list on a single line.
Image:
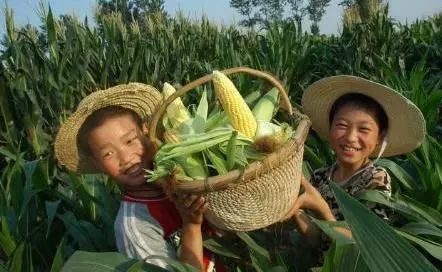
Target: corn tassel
[(240, 115)]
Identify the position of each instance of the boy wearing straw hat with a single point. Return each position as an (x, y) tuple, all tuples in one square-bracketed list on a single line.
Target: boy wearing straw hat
[(361, 120), (107, 134)]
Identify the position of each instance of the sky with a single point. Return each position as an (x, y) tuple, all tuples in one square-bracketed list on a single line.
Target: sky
[(26, 11)]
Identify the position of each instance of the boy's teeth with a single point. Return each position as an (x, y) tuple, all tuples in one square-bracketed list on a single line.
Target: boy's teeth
[(133, 170), (349, 149)]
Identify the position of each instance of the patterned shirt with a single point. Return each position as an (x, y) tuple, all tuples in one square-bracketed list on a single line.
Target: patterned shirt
[(371, 177)]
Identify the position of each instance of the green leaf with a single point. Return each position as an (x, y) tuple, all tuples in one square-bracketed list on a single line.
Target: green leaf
[(50, 27), (328, 227), (221, 247), (422, 228), (217, 160), (231, 151), (381, 248), (51, 209), (80, 235), (402, 176), (260, 256), (199, 121), (403, 204), (430, 214), (7, 242), (17, 258), (102, 262), (433, 248), (345, 258), (176, 265), (59, 257)]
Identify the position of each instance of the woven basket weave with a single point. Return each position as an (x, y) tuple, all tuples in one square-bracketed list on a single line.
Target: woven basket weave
[(263, 193)]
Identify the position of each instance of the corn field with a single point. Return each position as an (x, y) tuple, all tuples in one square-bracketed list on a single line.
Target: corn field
[(49, 215)]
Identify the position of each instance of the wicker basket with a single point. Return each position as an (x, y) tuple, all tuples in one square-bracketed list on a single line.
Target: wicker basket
[(261, 194)]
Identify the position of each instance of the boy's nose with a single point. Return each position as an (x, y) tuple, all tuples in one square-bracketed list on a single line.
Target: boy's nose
[(125, 158), (352, 135)]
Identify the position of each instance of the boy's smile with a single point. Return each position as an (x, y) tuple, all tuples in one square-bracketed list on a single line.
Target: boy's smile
[(121, 150), (354, 135)]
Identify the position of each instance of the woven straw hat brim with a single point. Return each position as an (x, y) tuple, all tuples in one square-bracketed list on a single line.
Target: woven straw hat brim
[(141, 98), (406, 129)]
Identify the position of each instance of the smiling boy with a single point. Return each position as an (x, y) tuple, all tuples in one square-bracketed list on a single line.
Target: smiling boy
[(107, 133)]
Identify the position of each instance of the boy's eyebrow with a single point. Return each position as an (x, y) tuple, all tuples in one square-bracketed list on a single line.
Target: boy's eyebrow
[(106, 145), (129, 133), (344, 119)]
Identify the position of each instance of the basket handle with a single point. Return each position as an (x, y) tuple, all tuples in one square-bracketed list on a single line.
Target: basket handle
[(284, 101)]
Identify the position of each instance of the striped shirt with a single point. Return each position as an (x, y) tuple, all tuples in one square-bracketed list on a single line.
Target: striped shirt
[(151, 228)]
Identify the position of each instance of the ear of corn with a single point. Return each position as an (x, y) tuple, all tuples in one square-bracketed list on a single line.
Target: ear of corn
[(266, 106), (177, 113), (240, 115)]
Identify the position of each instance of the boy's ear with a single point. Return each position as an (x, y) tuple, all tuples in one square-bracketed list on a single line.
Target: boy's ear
[(145, 128), (382, 136), (96, 164)]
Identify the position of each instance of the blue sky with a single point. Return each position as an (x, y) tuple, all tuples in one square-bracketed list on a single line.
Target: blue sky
[(25, 11)]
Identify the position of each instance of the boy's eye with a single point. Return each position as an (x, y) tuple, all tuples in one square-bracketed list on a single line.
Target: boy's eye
[(108, 154), (131, 140), (365, 129), (341, 125)]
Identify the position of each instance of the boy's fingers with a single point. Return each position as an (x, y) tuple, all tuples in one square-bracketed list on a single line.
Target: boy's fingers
[(197, 205), (299, 202), (305, 183), (202, 208)]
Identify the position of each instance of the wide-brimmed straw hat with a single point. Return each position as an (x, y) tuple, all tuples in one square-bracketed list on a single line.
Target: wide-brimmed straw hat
[(406, 124), (141, 98)]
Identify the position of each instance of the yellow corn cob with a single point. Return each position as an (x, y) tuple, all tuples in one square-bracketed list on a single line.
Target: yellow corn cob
[(240, 115), (177, 113)]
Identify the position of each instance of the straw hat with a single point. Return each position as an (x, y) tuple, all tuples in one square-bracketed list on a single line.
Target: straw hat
[(141, 98), (406, 128)]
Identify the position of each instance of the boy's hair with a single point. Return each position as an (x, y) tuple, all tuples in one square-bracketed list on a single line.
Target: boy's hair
[(97, 118), (361, 101)]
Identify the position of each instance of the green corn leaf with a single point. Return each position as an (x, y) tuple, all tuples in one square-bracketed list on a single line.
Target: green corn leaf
[(433, 248), (328, 227), (199, 121), (381, 248), (259, 255), (17, 259), (403, 204), (51, 209), (222, 247), (103, 262), (402, 176), (430, 214), (422, 228), (231, 151), (252, 97), (59, 257), (217, 160), (345, 258)]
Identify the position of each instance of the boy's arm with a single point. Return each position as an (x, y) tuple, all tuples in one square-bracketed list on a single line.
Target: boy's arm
[(191, 209), (312, 200)]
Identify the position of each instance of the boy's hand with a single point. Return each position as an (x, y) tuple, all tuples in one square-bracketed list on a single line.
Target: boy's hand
[(191, 208), (312, 200)]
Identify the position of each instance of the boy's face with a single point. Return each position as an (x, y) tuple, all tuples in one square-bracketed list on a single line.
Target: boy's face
[(121, 150), (354, 135)]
